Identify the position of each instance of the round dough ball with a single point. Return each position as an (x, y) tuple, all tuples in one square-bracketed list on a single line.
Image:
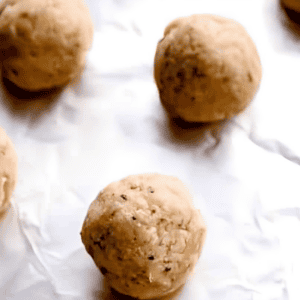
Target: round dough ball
[(292, 4), (144, 235), (8, 171), (206, 68), (44, 42)]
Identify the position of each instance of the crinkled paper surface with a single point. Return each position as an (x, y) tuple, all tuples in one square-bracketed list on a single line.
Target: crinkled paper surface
[(110, 124)]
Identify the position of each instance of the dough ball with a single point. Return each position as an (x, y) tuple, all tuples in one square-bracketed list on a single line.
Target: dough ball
[(8, 171), (206, 68), (44, 43), (292, 4), (144, 235)]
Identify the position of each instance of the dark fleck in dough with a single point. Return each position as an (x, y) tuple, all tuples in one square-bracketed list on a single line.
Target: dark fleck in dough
[(124, 197), (146, 246), (103, 270), (44, 42), (206, 68)]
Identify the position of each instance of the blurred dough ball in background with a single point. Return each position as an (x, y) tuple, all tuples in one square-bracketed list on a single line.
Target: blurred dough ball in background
[(44, 43), (292, 4), (144, 234), (8, 172), (206, 68)]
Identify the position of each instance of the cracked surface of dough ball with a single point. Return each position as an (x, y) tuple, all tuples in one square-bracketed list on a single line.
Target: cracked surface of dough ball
[(206, 68), (292, 4), (8, 171), (44, 43), (144, 235)]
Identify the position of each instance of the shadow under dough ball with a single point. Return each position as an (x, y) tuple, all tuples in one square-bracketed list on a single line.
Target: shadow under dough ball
[(206, 68), (8, 172), (144, 235), (44, 43), (292, 4)]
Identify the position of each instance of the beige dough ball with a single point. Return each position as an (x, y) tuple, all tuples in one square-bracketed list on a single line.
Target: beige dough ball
[(144, 235), (292, 4), (206, 68), (44, 42), (8, 171)]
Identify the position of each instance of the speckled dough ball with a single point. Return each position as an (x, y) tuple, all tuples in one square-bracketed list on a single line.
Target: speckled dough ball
[(206, 68), (8, 171), (292, 4), (44, 42), (144, 235)]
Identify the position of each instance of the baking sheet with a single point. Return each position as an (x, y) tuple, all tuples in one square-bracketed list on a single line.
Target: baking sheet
[(109, 124)]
